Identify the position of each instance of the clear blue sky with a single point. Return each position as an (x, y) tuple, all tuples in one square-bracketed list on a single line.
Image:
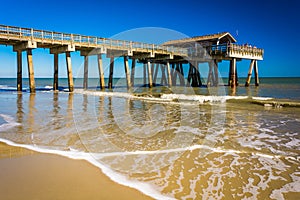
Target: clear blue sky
[(272, 25)]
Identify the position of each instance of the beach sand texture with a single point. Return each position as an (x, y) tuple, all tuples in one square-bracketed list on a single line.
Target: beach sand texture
[(27, 174)]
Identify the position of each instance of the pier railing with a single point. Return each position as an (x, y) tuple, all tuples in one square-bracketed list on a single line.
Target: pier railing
[(235, 50), (18, 33)]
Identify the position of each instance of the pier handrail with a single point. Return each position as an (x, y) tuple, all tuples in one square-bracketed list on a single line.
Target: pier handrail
[(233, 48), (31, 34)]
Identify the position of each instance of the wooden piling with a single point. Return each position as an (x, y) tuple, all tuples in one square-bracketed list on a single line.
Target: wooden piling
[(19, 72), (55, 76), (69, 71), (101, 72), (210, 78), (156, 73), (169, 74), (232, 77), (86, 71), (216, 72), (132, 71), (30, 71), (149, 74), (144, 73), (181, 75), (249, 73), (256, 73), (189, 78), (163, 75), (111, 73), (127, 72), (197, 74)]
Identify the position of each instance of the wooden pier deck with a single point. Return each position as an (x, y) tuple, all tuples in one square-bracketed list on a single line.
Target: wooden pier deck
[(169, 57)]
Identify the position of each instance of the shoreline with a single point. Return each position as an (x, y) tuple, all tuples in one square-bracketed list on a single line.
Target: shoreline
[(27, 174)]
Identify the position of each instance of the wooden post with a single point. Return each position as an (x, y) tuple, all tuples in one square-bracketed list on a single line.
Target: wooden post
[(181, 75), (69, 70), (256, 73), (101, 72), (232, 78), (111, 73), (149, 74), (127, 72), (55, 76), (19, 73), (152, 70), (210, 78), (197, 71), (155, 73), (163, 75), (169, 75), (249, 73), (176, 71), (30, 71), (132, 71), (189, 78), (144, 73), (216, 72), (86, 72)]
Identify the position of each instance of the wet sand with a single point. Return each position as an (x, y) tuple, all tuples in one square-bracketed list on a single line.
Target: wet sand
[(26, 174)]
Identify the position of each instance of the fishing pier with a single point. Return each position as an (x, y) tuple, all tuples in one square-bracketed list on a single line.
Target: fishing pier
[(168, 57)]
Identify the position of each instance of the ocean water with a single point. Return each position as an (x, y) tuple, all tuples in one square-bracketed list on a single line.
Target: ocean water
[(169, 143)]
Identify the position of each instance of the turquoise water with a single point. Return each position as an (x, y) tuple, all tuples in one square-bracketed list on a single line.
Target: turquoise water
[(169, 143), (283, 88)]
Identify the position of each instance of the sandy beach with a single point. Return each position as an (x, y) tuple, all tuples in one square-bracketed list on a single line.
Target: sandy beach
[(27, 174)]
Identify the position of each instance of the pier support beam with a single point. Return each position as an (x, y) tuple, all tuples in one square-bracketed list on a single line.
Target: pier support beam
[(149, 74), (55, 75), (30, 71), (111, 73), (132, 71), (169, 74), (101, 72), (216, 72), (256, 73), (181, 75), (232, 71), (19, 73), (144, 73), (249, 73), (86, 72), (69, 71), (127, 72), (194, 78)]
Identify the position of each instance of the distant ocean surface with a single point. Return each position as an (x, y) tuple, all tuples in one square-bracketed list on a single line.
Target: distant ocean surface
[(169, 143)]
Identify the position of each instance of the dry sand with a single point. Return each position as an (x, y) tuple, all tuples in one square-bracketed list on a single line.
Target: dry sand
[(26, 174)]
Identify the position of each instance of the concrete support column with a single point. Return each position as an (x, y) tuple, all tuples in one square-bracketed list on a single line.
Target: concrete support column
[(101, 72), (127, 72), (111, 73), (55, 76), (86, 72), (169, 74), (30, 71), (249, 73), (69, 71), (19, 72), (149, 73)]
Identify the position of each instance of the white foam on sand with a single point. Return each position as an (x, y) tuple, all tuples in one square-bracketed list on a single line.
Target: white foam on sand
[(145, 188), (10, 122)]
